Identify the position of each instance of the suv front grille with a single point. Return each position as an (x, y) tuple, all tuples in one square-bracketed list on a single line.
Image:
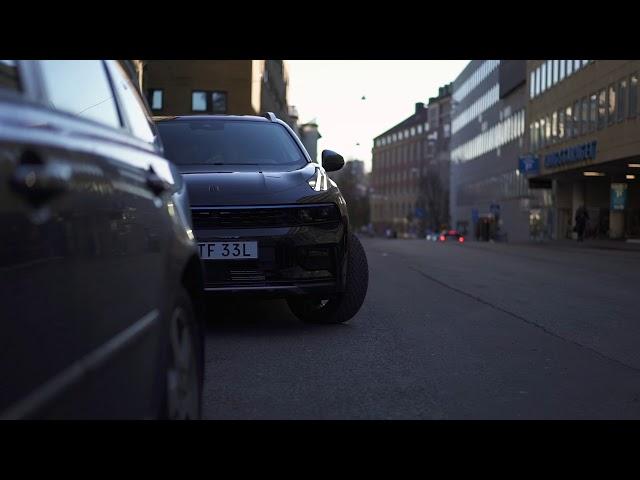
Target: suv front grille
[(257, 217)]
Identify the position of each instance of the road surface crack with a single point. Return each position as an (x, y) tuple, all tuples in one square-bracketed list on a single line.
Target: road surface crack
[(523, 319)]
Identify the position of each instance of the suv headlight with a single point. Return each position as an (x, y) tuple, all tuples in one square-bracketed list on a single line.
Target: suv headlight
[(319, 181), (318, 214)]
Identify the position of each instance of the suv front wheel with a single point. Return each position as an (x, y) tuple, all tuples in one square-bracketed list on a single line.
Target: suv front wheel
[(339, 307)]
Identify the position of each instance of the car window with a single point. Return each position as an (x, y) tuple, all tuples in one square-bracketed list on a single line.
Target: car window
[(80, 87), (229, 142), (9, 79), (133, 106)]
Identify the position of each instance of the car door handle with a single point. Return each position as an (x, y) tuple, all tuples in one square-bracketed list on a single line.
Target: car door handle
[(156, 184), (38, 181)]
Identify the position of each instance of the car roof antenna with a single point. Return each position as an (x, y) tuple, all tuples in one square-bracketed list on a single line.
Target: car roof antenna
[(270, 116)]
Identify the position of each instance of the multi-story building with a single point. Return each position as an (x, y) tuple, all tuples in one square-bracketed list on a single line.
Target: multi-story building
[(584, 144), (354, 185), (489, 197), (354, 170), (433, 200), (398, 159), (236, 87), (309, 136)]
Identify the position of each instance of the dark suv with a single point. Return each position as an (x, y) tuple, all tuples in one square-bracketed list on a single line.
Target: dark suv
[(100, 276), (266, 217)]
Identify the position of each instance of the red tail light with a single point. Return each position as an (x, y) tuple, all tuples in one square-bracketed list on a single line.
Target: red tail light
[(461, 239), (442, 238)]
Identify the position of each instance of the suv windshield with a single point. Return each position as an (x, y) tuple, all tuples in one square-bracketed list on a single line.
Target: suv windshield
[(229, 142)]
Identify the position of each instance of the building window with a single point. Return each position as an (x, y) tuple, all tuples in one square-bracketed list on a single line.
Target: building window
[(568, 118), (219, 102), (569, 67), (622, 95), (532, 133), (602, 109), (577, 64), (633, 95), (555, 71), (537, 81), (593, 112), (585, 116), (562, 65), (554, 126), (199, 101), (543, 75), (611, 105), (532, 85), (155, 98), (549, 73), (576, 118), (560, 125)]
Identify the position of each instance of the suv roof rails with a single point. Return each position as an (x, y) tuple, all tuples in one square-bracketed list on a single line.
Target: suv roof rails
[(270, 116)]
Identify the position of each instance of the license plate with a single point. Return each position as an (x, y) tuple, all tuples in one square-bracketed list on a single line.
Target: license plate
[(228, 250)]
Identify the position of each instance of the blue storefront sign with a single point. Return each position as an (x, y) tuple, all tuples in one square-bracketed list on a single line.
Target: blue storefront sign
[(566, 156), (618, 196), (528, 164), (494, 209), (420, 212)]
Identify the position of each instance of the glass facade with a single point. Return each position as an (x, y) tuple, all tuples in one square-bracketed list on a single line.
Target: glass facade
[(482, 72), (508, 130), (550, 72)]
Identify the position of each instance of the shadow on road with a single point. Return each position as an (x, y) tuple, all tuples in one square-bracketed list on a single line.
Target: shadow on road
[(249, 315)]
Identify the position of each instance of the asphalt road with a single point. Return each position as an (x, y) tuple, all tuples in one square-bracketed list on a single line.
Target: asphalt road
[(448, 331)]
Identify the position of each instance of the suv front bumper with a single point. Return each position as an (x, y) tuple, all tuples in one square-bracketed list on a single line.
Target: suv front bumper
[(291, 260)]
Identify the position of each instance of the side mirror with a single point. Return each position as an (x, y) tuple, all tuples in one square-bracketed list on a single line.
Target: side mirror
[(331, 161)]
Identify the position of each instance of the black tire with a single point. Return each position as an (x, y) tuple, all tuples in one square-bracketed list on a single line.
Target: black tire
[(340, 307), (183, 377)]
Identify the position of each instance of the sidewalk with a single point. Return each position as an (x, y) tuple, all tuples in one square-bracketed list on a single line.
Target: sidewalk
[(600, 244)]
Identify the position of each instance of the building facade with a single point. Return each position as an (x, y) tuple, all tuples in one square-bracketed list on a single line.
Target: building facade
[(490, 199), (398, 159), (433, 199), (234, 87), (583, 144), (309, 136)]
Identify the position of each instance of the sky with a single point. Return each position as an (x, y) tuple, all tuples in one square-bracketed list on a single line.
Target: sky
[(330, 92)]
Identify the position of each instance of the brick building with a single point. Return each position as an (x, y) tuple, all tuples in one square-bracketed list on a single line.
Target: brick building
[(235, 87), (398, 158)]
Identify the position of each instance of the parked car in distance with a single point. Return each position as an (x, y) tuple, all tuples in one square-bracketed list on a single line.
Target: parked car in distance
[(451, 236), (431, 236), (268, 220), (100, 276)]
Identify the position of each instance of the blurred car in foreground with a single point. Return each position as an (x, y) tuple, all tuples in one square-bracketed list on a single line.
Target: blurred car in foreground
[(451, 236), (100, 276)]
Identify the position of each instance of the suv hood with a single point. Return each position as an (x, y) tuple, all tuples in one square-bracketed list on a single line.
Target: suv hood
[(246, 187)]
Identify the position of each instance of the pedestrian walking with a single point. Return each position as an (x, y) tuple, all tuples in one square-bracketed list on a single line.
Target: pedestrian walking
[(582, 217)]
